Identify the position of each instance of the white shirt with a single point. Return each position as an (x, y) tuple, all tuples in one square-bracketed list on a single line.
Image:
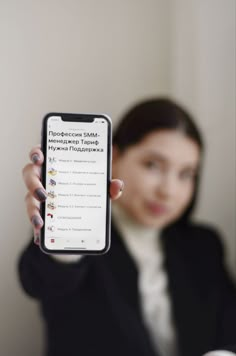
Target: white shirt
[(144, 246)]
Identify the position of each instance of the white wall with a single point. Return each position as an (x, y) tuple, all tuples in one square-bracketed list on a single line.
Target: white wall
[(203, 77), (104, 55)]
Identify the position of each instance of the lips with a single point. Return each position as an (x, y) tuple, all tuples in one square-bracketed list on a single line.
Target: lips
[(157, 209)]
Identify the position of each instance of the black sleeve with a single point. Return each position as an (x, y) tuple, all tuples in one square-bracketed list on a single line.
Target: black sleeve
[(43, 277), (227, 290), (228, 329)]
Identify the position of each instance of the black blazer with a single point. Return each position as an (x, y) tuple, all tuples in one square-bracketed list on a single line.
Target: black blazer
[(92, 307)]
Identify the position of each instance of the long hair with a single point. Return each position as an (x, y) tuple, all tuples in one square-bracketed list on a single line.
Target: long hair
[(158, 114)]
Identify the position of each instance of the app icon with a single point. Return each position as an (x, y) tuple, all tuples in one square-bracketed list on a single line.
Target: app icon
[(51, 217), (52, 171), (52, 159), (52, 182), (51, 205), (51, 194)]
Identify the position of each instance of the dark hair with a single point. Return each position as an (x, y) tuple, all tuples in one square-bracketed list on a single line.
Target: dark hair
[(153, 115)]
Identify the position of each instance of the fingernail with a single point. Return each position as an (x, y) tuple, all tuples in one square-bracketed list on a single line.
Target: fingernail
[(41, 194), (122, 186), (36, 221), (35, 158), (36, 238)]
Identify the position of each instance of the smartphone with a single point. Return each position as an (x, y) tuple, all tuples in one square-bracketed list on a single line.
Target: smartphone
[(76, 175)]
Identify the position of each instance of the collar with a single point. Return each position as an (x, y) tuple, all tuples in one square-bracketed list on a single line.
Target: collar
[(143, 243)]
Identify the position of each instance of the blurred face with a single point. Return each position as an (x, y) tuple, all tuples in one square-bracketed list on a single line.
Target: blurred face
[(159, 175)]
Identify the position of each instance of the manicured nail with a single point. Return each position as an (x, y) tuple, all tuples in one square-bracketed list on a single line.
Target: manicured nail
[(35, 158), (36, 238), (36, 221), (122, 186), (41, 194)]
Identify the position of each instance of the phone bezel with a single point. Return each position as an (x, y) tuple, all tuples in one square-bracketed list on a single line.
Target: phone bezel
[(83, 117)]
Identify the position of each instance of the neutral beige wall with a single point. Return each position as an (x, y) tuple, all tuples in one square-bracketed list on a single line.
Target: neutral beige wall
[(90, 55), (203, 77), (64, 55)]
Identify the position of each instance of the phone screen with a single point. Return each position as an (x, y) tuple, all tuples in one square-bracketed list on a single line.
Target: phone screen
[(76, 177)]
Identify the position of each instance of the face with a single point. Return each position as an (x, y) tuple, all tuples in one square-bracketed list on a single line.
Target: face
[(159, 175)]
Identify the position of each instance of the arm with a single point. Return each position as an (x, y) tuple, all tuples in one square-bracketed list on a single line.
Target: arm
[(227, 296), (228, 330), (43, 276)]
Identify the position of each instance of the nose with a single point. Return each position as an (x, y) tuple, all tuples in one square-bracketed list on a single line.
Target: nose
[(167, 186)]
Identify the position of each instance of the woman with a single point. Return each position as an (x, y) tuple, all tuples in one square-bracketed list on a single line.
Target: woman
[(162, 288)]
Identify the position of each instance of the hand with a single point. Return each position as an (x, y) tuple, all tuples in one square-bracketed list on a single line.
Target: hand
[(37, 193)]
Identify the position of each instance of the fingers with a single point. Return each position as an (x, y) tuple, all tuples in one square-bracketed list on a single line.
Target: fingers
[(116, 188), (31, 175), (36, 192), (32, 207), (36, 237), (36, 155)]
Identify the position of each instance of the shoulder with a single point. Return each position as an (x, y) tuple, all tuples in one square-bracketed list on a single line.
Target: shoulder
[(197, 238), (203, 234), (198, 232)]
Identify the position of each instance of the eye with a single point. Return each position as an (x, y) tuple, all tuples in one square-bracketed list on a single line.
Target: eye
[(188, 175), (152, 165)]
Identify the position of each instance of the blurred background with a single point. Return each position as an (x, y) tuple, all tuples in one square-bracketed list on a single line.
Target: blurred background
[(103, 56)]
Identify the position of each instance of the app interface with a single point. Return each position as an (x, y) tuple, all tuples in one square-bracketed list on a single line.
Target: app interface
[(76, 184)]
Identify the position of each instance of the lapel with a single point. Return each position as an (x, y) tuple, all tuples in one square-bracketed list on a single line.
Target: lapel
[(193, 305), (193, 308), (120, 282)]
